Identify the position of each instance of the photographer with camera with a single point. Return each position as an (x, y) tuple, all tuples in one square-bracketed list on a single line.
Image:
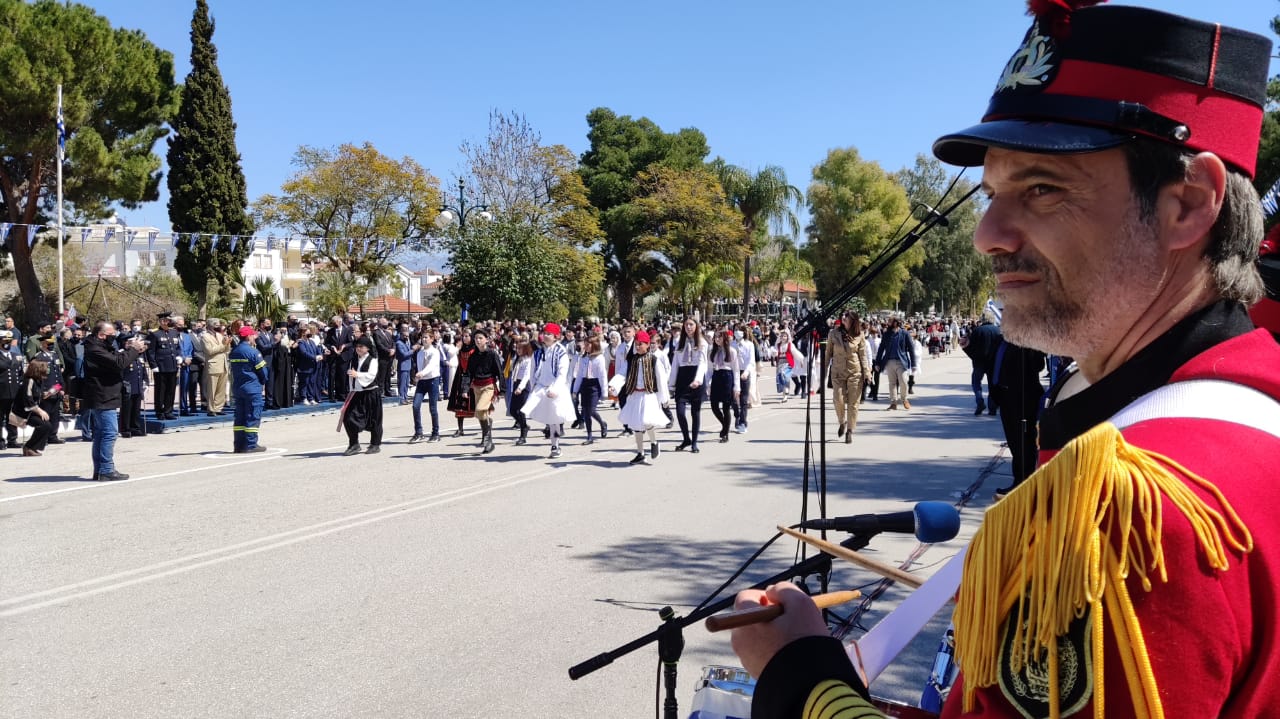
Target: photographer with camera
[(104, 370)]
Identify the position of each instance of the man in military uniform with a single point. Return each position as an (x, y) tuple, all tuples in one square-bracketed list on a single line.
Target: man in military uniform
[(248, 375), (57, 379), (12, 365), (36, 340), (1134, 573), (164, 356)]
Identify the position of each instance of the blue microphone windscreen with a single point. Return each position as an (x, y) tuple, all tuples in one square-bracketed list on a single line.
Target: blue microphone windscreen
[(936, 522)]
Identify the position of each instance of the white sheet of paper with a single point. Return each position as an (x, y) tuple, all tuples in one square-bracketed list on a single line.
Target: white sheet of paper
[(879, 646)]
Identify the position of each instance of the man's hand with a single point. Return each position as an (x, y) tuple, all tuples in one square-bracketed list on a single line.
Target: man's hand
[(755, 644)]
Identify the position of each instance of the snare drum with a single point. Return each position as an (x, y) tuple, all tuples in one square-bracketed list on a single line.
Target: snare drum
[(723, 693)]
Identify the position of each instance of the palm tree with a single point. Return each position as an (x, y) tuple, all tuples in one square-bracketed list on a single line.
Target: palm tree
[(262, 301), (697, 285), (779, 262), (764, 199), (331, 293)]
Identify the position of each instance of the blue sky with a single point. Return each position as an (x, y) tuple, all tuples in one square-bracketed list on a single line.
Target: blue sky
[(768, 83)]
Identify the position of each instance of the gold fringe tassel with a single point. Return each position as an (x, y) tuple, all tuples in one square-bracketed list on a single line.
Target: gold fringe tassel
[(1065, 542)]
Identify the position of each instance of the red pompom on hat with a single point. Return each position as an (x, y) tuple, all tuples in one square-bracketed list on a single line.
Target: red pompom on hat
[(1056, 14), (551, 328), (642, 336)]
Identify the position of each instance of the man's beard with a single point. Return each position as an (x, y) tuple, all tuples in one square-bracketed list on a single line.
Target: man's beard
[(1069, 325)]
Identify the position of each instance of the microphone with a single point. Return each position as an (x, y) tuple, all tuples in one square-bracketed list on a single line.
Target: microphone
[(942, 219), (931, 522)]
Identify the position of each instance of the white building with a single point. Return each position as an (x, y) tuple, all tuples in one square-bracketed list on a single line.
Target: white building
[(404, 283), (118, 251)]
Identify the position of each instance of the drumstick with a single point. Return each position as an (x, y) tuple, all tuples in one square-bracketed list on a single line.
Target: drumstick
[(835, 550), (755, 615)]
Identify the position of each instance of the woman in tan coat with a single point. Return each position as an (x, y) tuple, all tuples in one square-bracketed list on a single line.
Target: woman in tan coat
[(849, 370)]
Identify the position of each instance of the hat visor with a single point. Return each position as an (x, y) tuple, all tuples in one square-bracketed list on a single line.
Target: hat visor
[(968, 148)]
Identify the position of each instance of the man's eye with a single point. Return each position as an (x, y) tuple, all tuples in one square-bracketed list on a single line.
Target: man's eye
[(1042, 189)]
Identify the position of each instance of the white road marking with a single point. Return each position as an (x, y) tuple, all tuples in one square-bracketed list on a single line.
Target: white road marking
[(274, 541)]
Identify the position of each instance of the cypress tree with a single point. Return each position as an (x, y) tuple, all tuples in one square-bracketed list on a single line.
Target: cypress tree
[(206, 184)]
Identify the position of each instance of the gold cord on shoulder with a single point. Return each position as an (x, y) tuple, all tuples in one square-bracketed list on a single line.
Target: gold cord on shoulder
[(1064, 543)]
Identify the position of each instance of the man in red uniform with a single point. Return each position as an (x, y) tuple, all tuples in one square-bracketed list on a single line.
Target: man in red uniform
[(1137, 572)]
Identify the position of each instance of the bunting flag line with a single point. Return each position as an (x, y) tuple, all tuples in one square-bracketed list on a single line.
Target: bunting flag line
[(129, 235)]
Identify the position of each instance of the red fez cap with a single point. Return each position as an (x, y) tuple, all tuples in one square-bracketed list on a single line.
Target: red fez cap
[(1092, 78), (642, 336), (551, 328)]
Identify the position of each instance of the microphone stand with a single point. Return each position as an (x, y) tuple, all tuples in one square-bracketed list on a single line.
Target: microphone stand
[(670, 637), (818, 317)]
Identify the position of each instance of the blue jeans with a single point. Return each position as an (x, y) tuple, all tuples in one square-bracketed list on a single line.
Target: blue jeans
[(431, 389), (105, 429)]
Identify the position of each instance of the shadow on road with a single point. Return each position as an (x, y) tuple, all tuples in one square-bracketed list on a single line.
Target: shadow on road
[(44, 479)]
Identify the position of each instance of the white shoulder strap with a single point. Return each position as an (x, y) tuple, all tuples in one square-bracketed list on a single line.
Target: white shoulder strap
[(1205, 399), (1200, 399)]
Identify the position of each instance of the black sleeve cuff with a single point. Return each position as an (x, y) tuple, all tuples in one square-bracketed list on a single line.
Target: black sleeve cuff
[(795, 670)]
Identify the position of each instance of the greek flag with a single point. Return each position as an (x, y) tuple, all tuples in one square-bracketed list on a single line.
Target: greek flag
[(84, 235), (994, 310), (31, 234), (1271, 200), (62, 129)]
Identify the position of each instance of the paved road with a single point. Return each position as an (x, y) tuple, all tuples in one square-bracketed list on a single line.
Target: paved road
[(428, 580)]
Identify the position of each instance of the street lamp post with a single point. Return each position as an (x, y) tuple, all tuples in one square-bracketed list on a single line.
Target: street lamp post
[(458, 215)]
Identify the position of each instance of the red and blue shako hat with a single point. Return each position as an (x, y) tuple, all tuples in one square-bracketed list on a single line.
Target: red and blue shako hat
[(1090, 77)]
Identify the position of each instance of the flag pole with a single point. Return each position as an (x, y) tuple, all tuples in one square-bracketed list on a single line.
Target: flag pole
[(62, 299)]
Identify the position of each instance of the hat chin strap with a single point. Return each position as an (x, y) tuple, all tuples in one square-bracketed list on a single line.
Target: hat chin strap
[(1114, 115)]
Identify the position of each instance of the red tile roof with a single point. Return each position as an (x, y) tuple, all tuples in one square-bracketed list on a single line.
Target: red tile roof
[(389, 305)]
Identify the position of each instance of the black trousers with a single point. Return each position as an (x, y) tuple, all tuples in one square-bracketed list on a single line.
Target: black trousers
[(194, 378), (41, 431), (589, 400), (375, 435), (338, 379), (384, 374), (6, 404), (166, 385), (1019, 425), (130, 418)]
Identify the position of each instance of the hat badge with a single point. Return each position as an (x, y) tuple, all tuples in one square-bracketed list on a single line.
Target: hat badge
[(1032, 66)]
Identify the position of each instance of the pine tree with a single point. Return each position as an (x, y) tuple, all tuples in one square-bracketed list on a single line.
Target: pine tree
[(206, 184)]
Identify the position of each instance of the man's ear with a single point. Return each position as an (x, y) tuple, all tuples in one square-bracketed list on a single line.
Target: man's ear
[(1187, 210)]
